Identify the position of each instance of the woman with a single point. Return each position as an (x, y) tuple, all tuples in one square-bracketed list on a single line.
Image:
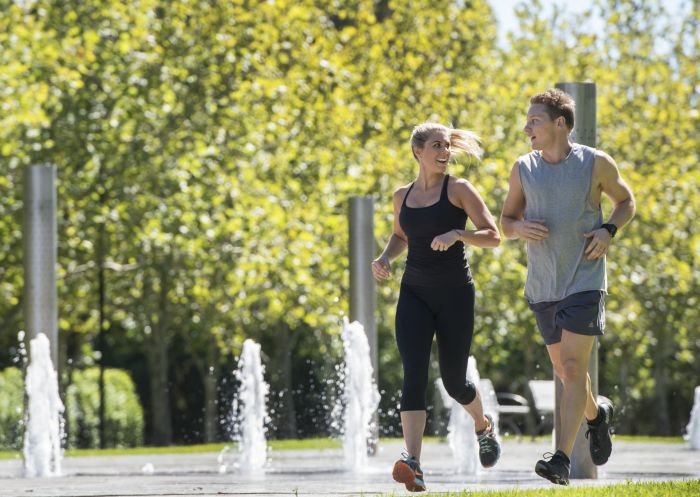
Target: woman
[(437, 292)]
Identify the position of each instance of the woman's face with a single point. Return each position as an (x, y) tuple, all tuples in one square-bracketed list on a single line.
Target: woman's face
[(436, 152)]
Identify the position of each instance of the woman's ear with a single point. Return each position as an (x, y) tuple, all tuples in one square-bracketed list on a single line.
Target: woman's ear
[(416, 152)]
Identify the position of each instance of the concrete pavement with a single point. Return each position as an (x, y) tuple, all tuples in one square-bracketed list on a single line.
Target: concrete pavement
[(319, 473)]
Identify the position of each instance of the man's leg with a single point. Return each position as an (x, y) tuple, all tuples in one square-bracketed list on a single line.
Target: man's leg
[(572, 368), (591, 411), (574, 354)]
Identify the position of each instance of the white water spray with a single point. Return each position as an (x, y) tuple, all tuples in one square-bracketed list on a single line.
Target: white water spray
[(461, 432), (44, 429), (693, 427), (360, 398), (250, 410)]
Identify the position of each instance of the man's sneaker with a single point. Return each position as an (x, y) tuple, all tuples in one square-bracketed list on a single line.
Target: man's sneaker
[(556, 469), (599, 434), (489, 448), (408, 472)]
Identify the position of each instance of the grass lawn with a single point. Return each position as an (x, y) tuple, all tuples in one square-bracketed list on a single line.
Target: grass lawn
[(307, 443), (685, 488)]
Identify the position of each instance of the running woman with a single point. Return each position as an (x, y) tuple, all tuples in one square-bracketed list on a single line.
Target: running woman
[(437, 291)]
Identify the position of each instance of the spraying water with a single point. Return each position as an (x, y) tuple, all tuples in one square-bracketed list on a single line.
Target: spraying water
[(250, 410), (693, 428), (360, 398), (461, 432), (44, 428)]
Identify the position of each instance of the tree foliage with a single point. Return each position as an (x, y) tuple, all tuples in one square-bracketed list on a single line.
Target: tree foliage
[(206, 152)]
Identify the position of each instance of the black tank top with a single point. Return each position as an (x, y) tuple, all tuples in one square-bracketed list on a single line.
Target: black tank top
[(425, 266)]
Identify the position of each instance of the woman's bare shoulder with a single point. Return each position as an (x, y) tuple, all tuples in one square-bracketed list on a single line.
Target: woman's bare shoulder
[(401, 191), (460, 185)]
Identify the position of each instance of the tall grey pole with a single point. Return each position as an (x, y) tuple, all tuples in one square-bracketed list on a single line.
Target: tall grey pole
[(362, 289), (40, 254), (584, 132)]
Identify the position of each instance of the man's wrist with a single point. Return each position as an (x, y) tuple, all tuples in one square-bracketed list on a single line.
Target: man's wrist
[(459, 235), (610, 228), (516, 226)]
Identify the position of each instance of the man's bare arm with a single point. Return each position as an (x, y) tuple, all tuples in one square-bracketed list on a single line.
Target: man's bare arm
[(513, 224), (607, 178)]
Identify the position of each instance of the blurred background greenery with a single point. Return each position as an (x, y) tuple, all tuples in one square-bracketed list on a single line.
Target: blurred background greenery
[(206, 151)]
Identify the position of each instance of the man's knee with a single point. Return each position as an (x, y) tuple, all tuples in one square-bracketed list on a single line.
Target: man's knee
[(573, 370), (558, 370), (462, 392)]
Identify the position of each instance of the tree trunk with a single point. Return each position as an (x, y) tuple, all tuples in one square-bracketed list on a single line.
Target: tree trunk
[(623, 422), (157, 356), (661, 408), (211, 404), (282, 382)]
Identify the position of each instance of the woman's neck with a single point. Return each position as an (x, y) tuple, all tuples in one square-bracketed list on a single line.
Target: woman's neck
[(425, 181)]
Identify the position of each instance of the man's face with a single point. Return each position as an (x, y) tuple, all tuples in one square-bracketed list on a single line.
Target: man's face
[(540, 128)]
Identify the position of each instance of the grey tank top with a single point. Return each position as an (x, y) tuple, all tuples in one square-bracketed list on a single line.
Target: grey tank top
[(561, 195)]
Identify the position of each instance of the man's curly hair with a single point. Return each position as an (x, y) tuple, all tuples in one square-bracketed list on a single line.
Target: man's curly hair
[(557, 103)]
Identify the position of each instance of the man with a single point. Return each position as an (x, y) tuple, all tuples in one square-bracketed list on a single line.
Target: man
[(553, 203)]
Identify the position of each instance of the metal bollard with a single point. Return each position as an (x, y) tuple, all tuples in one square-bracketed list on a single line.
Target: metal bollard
[(40, 254), (362, 287)]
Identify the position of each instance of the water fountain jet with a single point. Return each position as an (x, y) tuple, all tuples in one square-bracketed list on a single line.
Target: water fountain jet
[(44, 422), (460, 429), (249, 412), (360, 398)]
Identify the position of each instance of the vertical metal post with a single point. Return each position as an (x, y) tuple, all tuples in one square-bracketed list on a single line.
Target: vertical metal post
[(584, 132), (40, 254), (362, 289)]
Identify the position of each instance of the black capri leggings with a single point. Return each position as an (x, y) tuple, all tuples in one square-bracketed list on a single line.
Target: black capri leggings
[(449, 314)]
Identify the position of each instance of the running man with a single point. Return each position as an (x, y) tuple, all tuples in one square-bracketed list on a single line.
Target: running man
[(554, 204)]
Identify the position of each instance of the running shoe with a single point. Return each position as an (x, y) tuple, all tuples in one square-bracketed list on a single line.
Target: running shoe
[(599, 434), (489, 448), (555, 469), (408, 472)]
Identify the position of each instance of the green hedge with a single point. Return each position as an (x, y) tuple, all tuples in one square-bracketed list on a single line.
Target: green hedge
[(11, 408), (124, 414)]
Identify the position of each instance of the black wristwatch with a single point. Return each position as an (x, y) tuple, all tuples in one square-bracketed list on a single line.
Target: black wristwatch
[(611, 228)]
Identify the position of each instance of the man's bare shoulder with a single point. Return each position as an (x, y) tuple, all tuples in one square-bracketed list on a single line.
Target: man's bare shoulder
[(604, 159), (604, 167)]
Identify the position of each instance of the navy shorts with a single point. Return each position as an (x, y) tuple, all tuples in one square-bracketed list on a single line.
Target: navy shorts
[(582, 313)]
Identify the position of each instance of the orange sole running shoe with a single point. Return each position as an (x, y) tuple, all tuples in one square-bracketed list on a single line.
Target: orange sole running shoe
[(405, 473)]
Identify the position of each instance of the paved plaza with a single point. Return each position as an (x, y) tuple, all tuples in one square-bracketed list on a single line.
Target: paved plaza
[(320, 472)]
